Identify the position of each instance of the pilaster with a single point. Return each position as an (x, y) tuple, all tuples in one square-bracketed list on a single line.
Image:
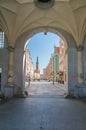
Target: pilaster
[(72, 70), (80, 64), (10, 65)]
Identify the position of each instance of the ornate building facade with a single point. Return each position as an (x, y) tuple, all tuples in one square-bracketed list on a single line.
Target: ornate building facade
[(29, 67), (62, 62), (56, 69), (56, 62), (51, 71)]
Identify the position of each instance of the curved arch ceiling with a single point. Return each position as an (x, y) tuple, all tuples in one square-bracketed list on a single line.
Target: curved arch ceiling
[(18, 16)]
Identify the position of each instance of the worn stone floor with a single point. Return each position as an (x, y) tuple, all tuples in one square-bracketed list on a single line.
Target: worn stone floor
[(43, 113)]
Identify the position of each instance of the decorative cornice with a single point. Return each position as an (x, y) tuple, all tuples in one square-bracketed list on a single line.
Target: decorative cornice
[(80, 48), (11, 49)]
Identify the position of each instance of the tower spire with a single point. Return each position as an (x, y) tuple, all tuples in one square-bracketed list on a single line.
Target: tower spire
[(37, 71), (37, 62)]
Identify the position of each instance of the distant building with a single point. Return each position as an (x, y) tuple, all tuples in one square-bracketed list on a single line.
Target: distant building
[(48, 71), (51, 71), (29, 67), (56, 62), (41, 77), (44, 73), (37, 71), (62, 61), (57, 67)]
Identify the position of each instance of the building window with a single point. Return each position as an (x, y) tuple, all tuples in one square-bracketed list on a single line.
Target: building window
[(1, 39)]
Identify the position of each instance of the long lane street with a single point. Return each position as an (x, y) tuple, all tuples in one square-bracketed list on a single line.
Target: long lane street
[(46, 89)]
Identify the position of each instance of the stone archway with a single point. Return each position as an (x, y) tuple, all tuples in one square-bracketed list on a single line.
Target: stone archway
[(71, 51)]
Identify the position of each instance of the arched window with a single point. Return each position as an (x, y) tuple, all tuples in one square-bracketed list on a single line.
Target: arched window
[(2, 38)]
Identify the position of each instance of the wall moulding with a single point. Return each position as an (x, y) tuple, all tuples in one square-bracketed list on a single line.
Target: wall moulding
[(11, 49), (80, 47)]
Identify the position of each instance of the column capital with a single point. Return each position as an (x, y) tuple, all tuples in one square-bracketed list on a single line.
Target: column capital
[(80, 47), (11, 49)]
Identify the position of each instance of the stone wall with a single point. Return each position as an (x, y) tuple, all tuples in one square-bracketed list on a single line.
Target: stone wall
[(4, 66), (72, 70)]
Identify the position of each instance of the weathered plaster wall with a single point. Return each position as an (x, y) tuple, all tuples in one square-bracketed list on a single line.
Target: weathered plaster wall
[(4, 66), (72, 69)]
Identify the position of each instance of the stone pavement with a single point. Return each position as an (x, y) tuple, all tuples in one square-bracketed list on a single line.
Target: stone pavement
[(46, 89), (45, 109), (43, 114)]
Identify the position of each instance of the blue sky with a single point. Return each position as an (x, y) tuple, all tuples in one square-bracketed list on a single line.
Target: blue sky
[(42, 45)]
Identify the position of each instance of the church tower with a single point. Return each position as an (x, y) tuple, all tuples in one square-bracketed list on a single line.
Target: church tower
[(37, 71), (37, 66)]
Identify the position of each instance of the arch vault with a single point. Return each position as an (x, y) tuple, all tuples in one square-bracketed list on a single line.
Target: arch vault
[(20, 19)]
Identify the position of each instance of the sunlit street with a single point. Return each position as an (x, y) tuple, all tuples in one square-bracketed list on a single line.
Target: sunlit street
[(45, 88)]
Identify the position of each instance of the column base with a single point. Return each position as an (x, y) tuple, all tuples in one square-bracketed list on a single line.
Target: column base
[(19, 93), (9, 90), (70, 96), (80, 90)]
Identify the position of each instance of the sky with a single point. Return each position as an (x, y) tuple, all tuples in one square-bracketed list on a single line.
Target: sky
[(42, 45)]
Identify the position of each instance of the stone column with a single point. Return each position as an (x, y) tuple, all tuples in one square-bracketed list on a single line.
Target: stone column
[(10, 66), (72, 70), (80, 64)]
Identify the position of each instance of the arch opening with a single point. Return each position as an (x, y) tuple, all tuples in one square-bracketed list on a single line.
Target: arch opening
[(55, 71), (71, 56)]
